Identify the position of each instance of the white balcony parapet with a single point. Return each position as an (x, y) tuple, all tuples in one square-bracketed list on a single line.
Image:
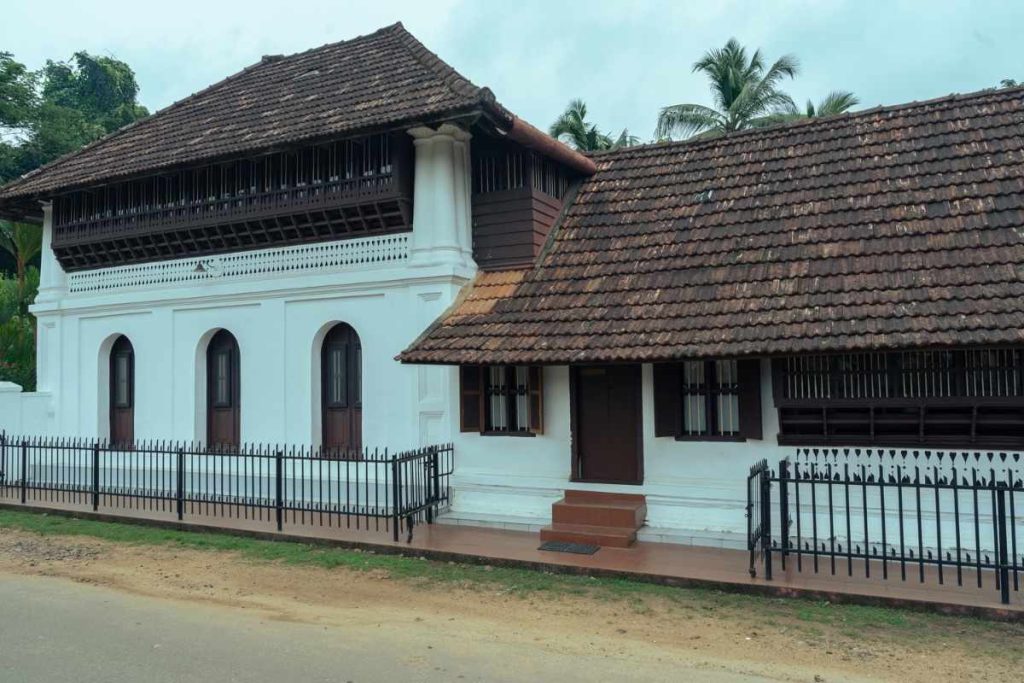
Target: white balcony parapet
[(321, 256)]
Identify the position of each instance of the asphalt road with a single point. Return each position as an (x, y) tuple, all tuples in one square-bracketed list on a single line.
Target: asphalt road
[(55, 630)]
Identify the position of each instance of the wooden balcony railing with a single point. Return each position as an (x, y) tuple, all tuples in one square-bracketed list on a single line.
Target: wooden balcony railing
[(326, 192)]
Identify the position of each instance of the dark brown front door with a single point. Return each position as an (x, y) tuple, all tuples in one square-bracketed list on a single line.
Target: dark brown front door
[(341, 400), (122, 392), (223, 391), (607, 437)]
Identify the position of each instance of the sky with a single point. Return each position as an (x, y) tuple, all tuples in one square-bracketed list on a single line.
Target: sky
[(625, 59)]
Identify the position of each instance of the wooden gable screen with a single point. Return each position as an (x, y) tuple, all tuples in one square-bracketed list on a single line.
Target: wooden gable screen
[(669, 396)]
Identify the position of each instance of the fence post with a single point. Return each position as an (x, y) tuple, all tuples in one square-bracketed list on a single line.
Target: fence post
[(433, 484), (784, 509), (1004, 560), (766, 520), (96, 476), (395, 492), (24, 468), (278, 490), (179, 493)]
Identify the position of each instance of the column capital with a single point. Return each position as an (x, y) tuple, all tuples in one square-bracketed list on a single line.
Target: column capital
[(444, 131)]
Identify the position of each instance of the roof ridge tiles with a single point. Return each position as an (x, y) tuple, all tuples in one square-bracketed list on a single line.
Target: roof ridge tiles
[(824, 121), (429, 59)]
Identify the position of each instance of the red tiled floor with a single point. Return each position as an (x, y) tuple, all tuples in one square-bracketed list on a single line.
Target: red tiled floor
[(661, 562)]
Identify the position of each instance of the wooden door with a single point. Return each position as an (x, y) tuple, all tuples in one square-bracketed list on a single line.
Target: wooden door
[(606, 424), (341, 400), (223, 392), (122, 392)]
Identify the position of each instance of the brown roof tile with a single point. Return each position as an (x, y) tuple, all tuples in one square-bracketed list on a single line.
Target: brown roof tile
[(371, 82), (900, 226)]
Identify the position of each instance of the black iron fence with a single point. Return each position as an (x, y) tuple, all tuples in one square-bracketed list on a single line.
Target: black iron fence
[(926, 514), (363, 490)]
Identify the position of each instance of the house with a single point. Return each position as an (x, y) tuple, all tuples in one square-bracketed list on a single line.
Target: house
[(355, 246)]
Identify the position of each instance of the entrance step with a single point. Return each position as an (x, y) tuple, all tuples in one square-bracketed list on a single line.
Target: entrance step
[(596, 518), (607, 536)]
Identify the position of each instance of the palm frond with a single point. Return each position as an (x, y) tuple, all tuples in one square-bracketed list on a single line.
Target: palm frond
[(836, 102), (687, 120)]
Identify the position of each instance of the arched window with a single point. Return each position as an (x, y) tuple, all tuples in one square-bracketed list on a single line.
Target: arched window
[(341, 362), (223, 391), (122, 392)]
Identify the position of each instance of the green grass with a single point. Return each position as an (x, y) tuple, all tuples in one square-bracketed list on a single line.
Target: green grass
[(812, 618)]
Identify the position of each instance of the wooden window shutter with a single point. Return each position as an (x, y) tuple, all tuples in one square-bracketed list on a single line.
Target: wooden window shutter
[(536, 389), (668, 399), (749, 372), (471, 395)]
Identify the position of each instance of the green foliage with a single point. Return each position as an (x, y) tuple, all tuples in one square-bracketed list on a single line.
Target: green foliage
[(71, 104), (23, 241), (1010, 83), (746, 94), (18, 351), (18, 330), (17, 93), (573, 129)]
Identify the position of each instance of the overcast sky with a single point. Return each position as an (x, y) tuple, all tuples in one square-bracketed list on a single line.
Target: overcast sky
[(625, 59)]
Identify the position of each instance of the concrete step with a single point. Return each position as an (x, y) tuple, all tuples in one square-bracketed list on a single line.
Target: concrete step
[(629, 515), (603, 498), (611, 537)]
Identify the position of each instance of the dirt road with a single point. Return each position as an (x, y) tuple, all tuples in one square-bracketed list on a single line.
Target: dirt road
[(79, 609)]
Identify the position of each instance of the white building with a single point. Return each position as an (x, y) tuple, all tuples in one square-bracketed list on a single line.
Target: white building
[(356, 247)]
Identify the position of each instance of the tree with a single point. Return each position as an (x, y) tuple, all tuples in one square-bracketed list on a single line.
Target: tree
[(72, 104), (23, 241), (1009, 83), (573, 129), (836, 102), (746, 94), (17, 95)]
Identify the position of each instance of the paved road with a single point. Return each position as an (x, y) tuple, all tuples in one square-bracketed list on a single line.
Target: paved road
[(54, 630)]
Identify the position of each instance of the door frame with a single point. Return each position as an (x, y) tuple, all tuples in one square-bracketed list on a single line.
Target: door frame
[(235, 387), (575, 475), (353, 375), (122, 346)]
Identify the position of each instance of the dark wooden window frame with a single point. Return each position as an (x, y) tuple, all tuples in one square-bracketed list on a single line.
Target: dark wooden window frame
[(475, 392), (670, 392), (924, 420), (711, 389)]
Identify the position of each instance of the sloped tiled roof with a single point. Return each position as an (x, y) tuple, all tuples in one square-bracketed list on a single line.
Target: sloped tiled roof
[(894, 227), (371, 82)]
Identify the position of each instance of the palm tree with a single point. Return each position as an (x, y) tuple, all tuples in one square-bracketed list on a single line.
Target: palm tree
[(573, 129), (836, 102), (23, 241), (746, 94)]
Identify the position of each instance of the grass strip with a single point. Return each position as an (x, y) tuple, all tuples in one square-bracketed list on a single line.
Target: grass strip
[(862, 623)]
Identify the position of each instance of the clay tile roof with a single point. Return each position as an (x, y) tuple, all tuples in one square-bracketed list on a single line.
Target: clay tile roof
[(894, 227), (372, 82)]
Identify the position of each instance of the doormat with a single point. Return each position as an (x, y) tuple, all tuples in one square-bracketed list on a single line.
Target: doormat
[(564, 547)]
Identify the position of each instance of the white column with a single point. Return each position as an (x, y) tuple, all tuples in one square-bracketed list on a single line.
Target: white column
[(440, 212), (52, 280), (463, 208)]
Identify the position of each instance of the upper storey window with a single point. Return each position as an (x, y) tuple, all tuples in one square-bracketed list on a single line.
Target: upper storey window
[(324, 191)]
